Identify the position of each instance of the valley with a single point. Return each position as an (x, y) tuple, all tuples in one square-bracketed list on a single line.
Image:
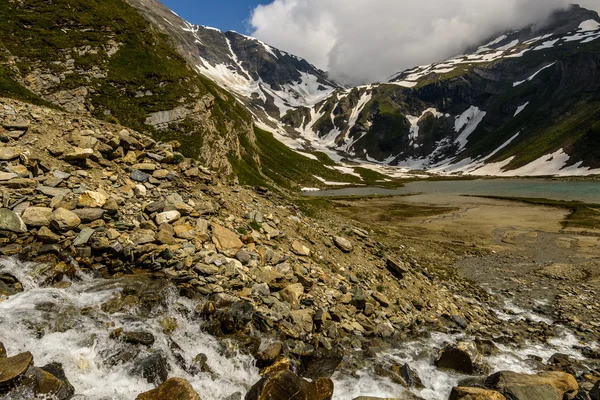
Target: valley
[(193, 214)]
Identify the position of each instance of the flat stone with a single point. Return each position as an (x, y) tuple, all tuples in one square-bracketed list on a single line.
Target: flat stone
[(7, 176), (139, 176), (155, 206), (9, 221), (12, 368), (52, 192), (91, 199), (9, 153), (37, 216), (20, 183), (145, 167), (78, 154), (167, 217), (83, 237), (384, 301), (142, 236), (61, 175), (225, 239), (184, 232), (300, 249), (16, 125), (89, 214), (343, 244)]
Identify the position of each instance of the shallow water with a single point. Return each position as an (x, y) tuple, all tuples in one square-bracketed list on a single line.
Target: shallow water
[(49, 323), (585, 191)]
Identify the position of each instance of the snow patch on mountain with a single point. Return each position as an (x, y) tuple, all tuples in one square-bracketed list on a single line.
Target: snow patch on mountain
[(534, 75), (466, 125)]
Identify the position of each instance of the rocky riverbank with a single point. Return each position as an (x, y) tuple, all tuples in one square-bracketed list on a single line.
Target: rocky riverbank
[(303, 297)]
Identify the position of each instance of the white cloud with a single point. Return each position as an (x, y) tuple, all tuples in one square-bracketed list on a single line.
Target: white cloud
[(368, 40)]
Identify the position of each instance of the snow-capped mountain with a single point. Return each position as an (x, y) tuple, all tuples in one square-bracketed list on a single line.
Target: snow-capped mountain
[(524, 103)]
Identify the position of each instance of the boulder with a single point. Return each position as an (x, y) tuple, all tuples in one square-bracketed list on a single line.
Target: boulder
[(469, 393), (225, 239), (91, 199), (57, 370), (143, 338), (546, 385), (14, 367), (37, 216), (300, 249), (167, 217), (171, 389), (44, 384), (285, 385), (9, 221), (64, 220), (462, 357), (343, 244)]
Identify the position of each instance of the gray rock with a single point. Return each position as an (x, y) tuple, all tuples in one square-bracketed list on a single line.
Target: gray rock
[(89, 214), (9, 221), (343, 244), (139, 176), (142, 236), (155, 206), (52, 192), (83, 237)]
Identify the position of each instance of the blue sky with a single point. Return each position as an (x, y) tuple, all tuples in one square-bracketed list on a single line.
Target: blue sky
[(223, 14)]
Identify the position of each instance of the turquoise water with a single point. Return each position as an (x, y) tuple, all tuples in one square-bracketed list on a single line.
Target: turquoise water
[(585, 191)]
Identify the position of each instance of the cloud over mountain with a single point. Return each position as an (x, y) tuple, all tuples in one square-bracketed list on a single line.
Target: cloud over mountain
[(361, 41)]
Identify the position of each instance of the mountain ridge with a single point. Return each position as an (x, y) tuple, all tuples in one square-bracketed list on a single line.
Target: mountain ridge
[(305, 110)]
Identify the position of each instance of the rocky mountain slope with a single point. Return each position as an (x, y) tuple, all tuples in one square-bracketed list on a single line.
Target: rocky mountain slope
[(523, 104)]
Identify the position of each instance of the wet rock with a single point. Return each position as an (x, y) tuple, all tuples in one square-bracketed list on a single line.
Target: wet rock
[(322, 363), (546, 385), (411, 377), (343, 244), (268, 356), (171, 389), (225, 239), (9, 221), (468, 393), (64, 220), (167, 217), (57, 370), (300, 249), (43, 384), (91, 199), (144, 338), (462, 357), (154, 368), (14, 367), (3, 353), (89, 214), (284, 385)]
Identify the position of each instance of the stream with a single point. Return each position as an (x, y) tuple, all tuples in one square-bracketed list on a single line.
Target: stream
[(69, 326)]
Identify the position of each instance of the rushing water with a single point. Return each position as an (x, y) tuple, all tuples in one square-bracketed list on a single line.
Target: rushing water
[(585, 191), (52, 324)]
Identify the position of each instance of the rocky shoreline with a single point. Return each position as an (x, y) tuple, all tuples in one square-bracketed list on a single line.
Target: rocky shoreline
[(81, 196)]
